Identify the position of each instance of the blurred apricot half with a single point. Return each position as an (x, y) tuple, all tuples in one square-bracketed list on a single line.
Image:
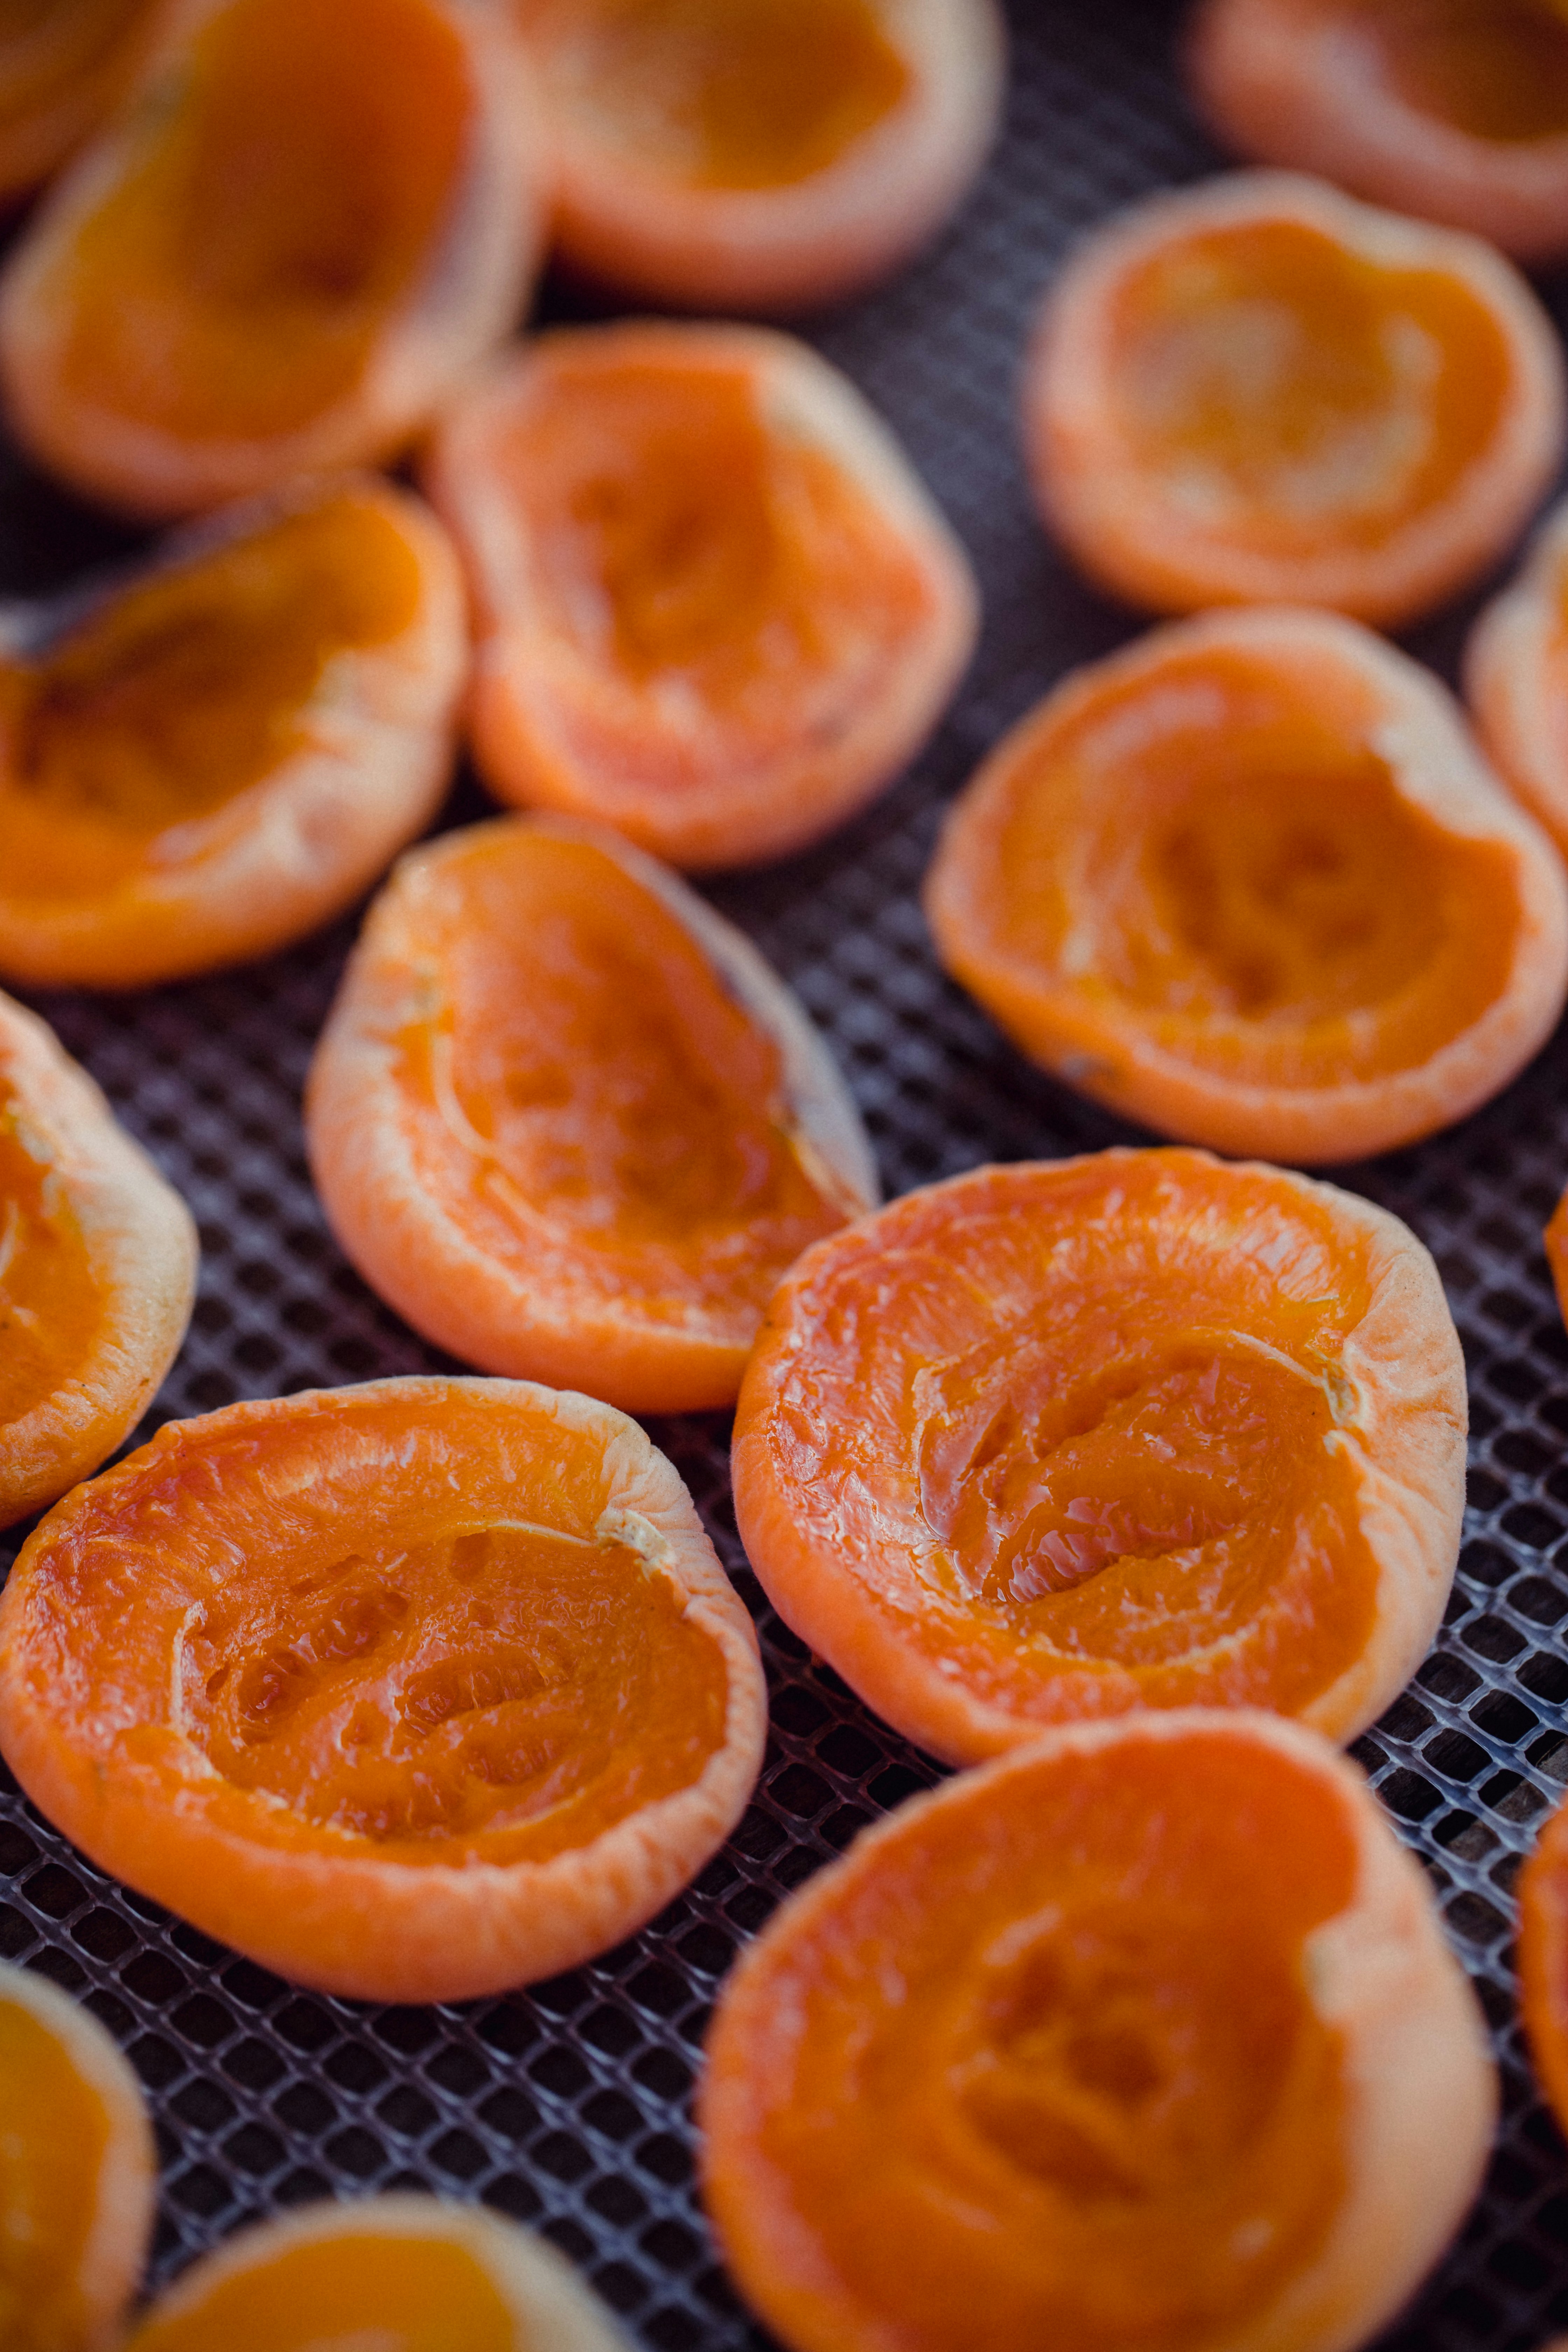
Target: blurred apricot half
[(1543, 1925), (63, 65), (1454, 109), (761, 154), (717, 608), (568, 1122), (78, 2174), (98, 1271), (411, 1691), (210, 757), (1261, 390), (1146, 2035), (1516, 679), (306, 224), (1140, 1430), (393, 2274), (1250, 881)]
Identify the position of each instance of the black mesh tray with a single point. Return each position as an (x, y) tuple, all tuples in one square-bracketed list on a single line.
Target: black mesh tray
[(568, 2105)]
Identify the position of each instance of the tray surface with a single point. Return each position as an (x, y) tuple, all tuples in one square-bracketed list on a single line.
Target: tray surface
[(568, 2105)]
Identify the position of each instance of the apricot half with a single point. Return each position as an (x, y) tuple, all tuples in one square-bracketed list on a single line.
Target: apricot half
[(1516, 679), (1147, 2036), (307, 223), (569, 1123), (393, 2273), (63, 64), (98, 1271), (78, 2173), (1259, 390), (215, 754), (1141, 1430), (717, 609), (1455, 110), (411, 1691), (761, 154), (1543, 1944), (1249, 881)]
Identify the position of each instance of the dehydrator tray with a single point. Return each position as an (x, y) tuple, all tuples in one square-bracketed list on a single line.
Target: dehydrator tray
[(568, 2105)]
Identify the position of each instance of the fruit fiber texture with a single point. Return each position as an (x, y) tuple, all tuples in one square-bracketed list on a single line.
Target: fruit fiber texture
[(1138, 1430), (411, 1691), (569, 1123), (1249, 880), (1146, 2035)]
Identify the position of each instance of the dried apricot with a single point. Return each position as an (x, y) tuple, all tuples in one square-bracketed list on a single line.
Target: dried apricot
[(1455, 110), (1516, 679), (718, 610), (1250, 881), (78, 2169), (63, 65), (1259, 390), (217, 753), (277, 259), (1146, 2035), (760, 154), (1140, 1430), (98, 1271), (412, 1692), (1544, 1918), (569, 1123), (397, 2274)]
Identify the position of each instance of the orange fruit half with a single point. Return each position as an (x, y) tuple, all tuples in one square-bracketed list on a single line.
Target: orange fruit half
[(63, 64), (98, 1271), (1140, 1430), (717, 608), (397, 2274), (1146, 2035), (78, 2174), (215, 754), (1261, 390), (1516, 678), (1544, 1949), (1249, 882)]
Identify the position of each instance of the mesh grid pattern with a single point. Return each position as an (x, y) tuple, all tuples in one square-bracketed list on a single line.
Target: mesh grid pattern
[(568, 2105)]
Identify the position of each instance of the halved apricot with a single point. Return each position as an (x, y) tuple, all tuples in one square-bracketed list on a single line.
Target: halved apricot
[(98, 1271), (1148, 2035), (393, 2274), (761, 154), (217, 753), (1140, 1430), (63, 65), (1455, 110), (1249, 881), (411, 1691), (717, 608), (78, 2171), (1544, 1933), (1516, 679), (307, 223), (569, 1123), (1259, 390)]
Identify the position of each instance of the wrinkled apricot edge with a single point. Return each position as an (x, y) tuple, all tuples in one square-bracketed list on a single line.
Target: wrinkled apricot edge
[(1435, 767), (414, 1255), (344, 1922), (804, 792), (1097, 501), (1509, 682), (1413, 2162), (1411, 1414), (816, 240), (282, 858), (141, 1247)]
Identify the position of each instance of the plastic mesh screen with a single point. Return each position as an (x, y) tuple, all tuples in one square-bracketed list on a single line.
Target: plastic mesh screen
[(568, 2106)]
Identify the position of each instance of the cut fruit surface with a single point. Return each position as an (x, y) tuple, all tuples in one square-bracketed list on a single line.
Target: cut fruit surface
[(1261, 390), (98, 1271), (413, 1691), (1516, 679), (63, 65), (717, 609), (214, 755), (568, 1122), (761, 154), (1148, 2034), (1453, 110), (207, 306), (78, 2174), (1140, 1430), (1250, 882)]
